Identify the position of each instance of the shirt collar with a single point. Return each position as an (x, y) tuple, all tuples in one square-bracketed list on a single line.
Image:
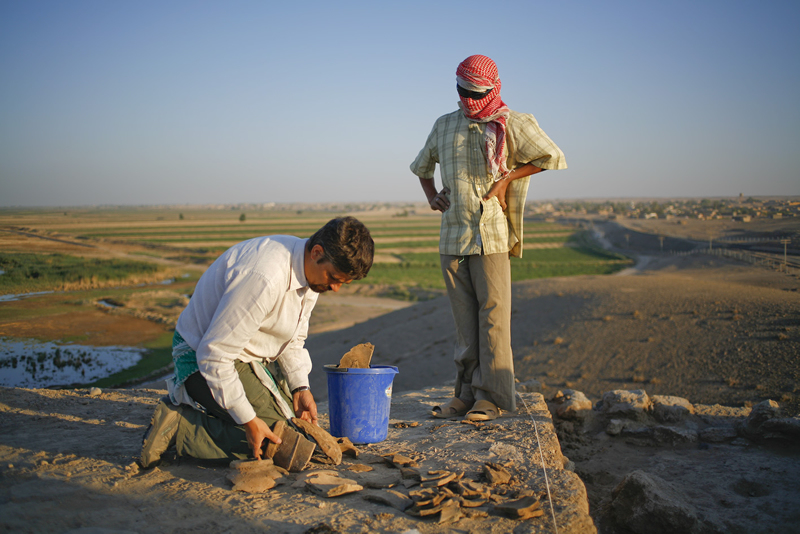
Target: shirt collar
[(298, 278)]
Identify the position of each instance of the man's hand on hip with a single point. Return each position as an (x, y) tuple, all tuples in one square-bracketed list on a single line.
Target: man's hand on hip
[(257, 431), (304, 406)]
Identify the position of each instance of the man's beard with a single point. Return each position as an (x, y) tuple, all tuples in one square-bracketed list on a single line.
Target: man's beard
[(319, 288)]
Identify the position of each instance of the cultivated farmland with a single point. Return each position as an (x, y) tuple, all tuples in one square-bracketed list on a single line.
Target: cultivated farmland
[(123, 275)]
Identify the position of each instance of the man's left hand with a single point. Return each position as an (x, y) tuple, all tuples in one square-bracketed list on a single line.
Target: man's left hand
[(499, 189), (304, 406)]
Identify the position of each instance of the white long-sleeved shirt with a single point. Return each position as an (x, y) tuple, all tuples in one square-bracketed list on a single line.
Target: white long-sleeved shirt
[(252, 304)]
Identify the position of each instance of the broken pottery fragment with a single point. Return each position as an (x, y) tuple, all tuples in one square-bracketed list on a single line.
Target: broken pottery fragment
[(451, 511), (400, 460), (360, 468), (252, 483), (473, 502), (331, 486), (358, 357), (524, 508), (347, 447), (392, 498), (437, 480), (294, 452), (325, 441), (254, 476), (409, 424), (427, 496), (474, 514), (310, 474), (496, 473), (410, 473), (379, 480)]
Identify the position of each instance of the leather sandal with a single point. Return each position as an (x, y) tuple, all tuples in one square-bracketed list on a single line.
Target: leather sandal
[(454, 408), (483, 410)]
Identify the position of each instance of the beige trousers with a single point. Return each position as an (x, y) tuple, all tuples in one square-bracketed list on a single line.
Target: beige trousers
[(479, 287)]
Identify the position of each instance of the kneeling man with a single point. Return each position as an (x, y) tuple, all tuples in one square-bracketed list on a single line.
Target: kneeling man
[(240, 361)]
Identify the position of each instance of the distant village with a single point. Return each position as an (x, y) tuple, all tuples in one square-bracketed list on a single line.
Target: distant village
[(743, 209)]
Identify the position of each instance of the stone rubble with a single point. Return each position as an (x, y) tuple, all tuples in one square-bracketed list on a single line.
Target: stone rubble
[(642, 502)]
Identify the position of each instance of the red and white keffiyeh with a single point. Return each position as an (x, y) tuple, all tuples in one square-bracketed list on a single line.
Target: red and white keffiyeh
[(479, 74)]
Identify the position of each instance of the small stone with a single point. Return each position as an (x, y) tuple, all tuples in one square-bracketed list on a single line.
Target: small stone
[(573, 405), (95, 392), (668, 409), (761, 413)]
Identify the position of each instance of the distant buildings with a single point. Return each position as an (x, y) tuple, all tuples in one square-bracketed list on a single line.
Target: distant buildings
[(737, 209)]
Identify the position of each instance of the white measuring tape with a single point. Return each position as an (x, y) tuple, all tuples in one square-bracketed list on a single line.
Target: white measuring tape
[(541, 456)]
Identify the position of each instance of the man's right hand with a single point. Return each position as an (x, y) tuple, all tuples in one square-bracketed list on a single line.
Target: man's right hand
[(440, 202), (257, 431)]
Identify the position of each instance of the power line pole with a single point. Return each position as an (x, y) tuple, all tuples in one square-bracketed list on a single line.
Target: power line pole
[(785, 241)]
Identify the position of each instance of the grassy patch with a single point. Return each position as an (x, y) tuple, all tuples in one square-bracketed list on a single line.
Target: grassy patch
[(41, 272), (422, 269)]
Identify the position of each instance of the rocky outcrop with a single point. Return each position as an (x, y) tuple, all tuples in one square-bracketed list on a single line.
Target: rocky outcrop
[(646, 504), (670, 421), (633, 405), (572, 404)]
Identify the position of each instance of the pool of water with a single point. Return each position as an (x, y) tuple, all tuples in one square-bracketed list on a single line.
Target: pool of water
[(35, 364), (20, 296)]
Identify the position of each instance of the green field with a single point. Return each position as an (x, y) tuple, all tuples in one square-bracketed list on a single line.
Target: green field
[(120, 255), (25, 273), (406, 246)]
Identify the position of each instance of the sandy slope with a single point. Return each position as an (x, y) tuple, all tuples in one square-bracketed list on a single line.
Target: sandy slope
[(698, 327)]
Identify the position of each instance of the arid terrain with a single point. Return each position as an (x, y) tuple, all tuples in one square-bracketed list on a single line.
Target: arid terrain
[(711, 330)]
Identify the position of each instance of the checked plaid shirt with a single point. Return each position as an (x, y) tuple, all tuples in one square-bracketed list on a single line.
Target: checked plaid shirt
[(457, 144)]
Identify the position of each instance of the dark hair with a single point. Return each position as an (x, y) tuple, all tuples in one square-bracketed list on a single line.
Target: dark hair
[(347, 245)]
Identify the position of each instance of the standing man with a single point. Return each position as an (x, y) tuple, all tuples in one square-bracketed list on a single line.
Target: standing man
[(486, 154), (240, 363)]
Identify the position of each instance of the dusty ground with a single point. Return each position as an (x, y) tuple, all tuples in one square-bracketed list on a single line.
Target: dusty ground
[(66, 465)]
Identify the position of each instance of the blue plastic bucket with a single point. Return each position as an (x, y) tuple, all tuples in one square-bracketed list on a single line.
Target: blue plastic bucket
[(359, 402)]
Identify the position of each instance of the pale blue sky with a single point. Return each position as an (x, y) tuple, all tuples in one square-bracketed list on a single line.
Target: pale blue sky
[(223, 102)]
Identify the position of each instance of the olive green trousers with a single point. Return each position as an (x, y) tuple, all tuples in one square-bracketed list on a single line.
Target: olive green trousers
[(215, 435)]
